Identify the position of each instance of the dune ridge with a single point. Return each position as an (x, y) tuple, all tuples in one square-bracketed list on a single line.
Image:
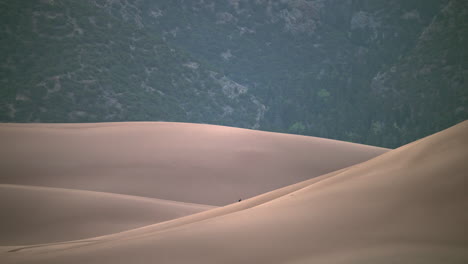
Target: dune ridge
[(171, 161), (62, 182), (407, 205), (32, 214)]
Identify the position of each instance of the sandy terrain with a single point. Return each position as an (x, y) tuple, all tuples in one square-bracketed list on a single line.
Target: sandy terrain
[(172, 161), (409, 205), (63, 182), (33, 214)]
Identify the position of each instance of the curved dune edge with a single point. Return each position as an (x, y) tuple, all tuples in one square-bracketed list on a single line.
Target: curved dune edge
[(170, 224), (409, 204), (32, 214), (193, 163), (41, 154)]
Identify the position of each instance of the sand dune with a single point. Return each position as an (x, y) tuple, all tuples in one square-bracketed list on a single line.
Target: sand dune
[(194, 163), (181, 162), (409, 205), (42, 215)]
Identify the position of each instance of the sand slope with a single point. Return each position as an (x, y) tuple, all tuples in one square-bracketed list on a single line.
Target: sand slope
[(194, 163), (409, 205), (31, 215), (46, 168)]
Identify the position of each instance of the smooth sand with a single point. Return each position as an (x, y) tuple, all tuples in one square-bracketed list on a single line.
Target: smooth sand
[(194, 163), (47, 170), (409, 205), (31, 214)]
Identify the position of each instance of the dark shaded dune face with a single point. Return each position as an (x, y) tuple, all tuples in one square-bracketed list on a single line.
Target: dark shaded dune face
[(183, 162), (406, 206), (36, 215)]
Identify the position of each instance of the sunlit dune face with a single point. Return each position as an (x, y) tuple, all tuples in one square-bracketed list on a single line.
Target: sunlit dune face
[(286, 199), (153, 159)]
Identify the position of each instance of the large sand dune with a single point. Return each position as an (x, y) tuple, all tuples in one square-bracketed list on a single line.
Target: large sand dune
[(31, 214), (48, 170), (409, 205), (194, 163)]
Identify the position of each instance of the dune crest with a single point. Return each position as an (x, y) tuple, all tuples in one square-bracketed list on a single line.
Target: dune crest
[(406, 206), (62, 182), (32, 214), (171, 161)]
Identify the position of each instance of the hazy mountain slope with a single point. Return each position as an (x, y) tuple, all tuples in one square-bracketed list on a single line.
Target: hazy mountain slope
[(314, 64), (437, 70), (334, 69), (408, 205), (68, 61)]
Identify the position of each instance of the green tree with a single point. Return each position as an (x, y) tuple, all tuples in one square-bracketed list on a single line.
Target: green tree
[(297, 128)]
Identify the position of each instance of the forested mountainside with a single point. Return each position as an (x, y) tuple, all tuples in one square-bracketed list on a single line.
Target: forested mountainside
[(71, 61), (377, 72)]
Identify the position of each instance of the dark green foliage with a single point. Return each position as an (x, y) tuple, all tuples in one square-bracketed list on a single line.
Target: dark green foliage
[(69, 61), (370, 71)]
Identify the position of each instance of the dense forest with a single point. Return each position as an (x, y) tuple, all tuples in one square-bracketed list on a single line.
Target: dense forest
[(378, 72)]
